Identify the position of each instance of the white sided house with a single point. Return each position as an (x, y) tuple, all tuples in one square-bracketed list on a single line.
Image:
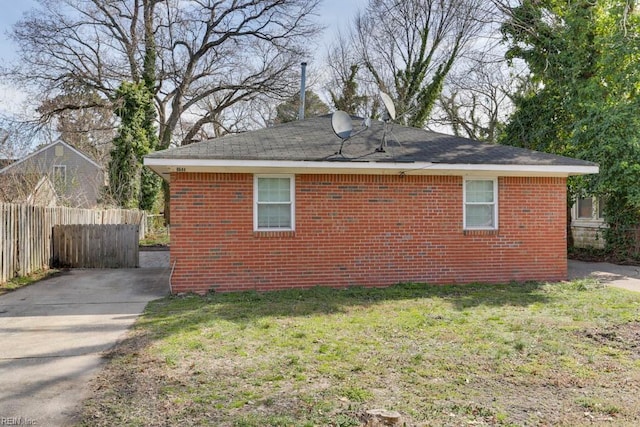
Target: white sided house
[(77, 179)]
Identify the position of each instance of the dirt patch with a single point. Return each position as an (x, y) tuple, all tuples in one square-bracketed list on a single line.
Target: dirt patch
[(140, 381), (329, 358), (623, 337)]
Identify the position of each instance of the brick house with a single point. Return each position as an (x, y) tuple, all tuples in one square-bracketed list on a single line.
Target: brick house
[(279, 208)]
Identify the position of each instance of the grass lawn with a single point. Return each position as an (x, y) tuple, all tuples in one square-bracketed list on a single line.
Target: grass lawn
[(514, 354), (158, 236)]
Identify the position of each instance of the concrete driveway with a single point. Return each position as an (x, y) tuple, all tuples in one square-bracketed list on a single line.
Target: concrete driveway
[(53, 334), (620, 276)]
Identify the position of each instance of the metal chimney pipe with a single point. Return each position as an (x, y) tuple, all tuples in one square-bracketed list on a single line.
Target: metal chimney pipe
[(303, 83)]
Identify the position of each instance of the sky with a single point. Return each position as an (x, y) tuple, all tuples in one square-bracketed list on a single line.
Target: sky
[(11, 12), (334, 14)]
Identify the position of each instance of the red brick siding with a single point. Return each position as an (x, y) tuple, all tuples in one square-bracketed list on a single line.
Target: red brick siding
[(365, 230)]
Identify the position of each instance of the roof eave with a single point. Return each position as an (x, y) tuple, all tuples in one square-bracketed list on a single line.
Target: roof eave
[(164, 167), (45, 148)]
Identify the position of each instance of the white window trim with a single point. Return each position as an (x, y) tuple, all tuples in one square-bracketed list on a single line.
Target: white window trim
[(495, 202), (64, 169), (594, 221), (292, 190)]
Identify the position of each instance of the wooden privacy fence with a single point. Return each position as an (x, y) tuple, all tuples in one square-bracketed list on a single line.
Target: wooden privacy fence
[(26, 233), (96, 246)]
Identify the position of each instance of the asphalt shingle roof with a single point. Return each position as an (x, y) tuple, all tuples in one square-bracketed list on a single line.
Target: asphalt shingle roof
[(313, 139)]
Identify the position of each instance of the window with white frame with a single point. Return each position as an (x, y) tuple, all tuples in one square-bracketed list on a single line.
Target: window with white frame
[(589, 208), (274, 204), (585, 208), (480, 204), (60, 174)]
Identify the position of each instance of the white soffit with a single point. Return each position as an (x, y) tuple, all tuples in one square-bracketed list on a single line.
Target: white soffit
[(165, 167)]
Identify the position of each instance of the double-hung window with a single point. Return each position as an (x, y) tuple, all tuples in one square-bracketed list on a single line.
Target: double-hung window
[(60, 175), (480, 204), (274, 204), (590, 208)]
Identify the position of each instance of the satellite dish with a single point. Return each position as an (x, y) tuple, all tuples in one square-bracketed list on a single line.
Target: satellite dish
[(343, 127), (342, 124), (388, 104)]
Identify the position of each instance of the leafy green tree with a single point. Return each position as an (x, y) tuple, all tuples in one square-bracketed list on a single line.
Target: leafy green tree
[(348, 99), (150, 183), (288, 110), (346, 87), (136, 137), (583, 98)]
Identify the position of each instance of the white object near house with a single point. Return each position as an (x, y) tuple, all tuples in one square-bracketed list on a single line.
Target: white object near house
[(77, 179), (587, 223)]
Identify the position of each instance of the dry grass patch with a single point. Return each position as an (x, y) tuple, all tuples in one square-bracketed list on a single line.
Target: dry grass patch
[(516, 354), (20, 282)]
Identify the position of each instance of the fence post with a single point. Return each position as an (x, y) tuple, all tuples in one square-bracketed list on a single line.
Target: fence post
[(27, 235)]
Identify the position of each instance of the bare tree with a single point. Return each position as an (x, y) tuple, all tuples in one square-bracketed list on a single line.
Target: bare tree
[(409, 47), (82, 120), (207, 52), (17, 136), (346, 90), (476, 100)]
